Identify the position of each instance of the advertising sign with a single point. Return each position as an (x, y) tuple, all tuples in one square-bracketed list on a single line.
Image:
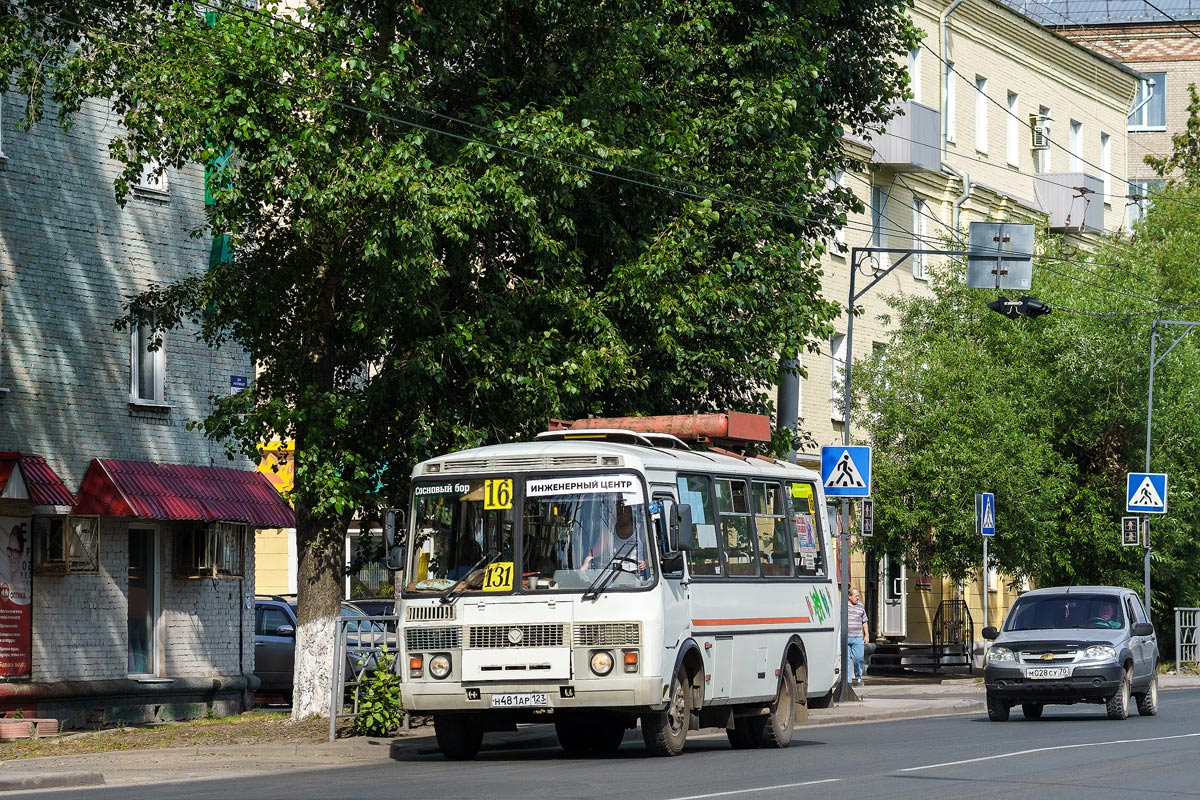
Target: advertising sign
[(15, 595)]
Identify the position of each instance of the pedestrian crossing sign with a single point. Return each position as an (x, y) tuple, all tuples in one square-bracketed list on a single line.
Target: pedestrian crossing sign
[(846, 471), (1146, 492), (985, 513)]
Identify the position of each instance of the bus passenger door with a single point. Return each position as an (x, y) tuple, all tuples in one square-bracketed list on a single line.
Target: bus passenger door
[(676, 611), (893, 601)]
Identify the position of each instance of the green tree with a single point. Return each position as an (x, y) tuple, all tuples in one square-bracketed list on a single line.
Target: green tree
[(1047, 413), (451, 221)]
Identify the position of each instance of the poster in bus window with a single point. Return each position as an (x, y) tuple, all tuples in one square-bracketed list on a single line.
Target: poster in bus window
[(15, 595), (806, 540)]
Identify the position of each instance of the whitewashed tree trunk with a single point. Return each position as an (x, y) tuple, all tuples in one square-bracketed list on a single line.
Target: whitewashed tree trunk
[(315, 640)]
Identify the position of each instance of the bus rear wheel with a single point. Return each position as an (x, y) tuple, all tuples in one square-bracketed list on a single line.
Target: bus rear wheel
[(459, 736), (665, 732), (774, 731)]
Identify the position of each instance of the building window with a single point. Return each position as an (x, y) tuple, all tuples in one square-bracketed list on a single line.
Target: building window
[(1141, 197), (1106, 166), (981, 114), (64, 545), (837, 245), (951, 102), (151, 184), (1152, 115), (920, 229), (914, 73), (837, 378), (147, 365), (1013, 132), (1076, 164), (1042, 159), (212, 550), (879, 227)]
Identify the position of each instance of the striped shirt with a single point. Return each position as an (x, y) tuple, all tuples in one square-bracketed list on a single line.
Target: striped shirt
[(856, 621)]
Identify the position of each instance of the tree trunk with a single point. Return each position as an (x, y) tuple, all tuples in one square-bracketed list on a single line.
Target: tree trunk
[(319, 595)]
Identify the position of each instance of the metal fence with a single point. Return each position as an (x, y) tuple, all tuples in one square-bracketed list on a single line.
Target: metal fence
[(361, 641), (1185, 636)]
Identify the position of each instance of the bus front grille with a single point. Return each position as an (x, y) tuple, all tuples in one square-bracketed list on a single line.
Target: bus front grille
[(607, 634), (419, 639), (430, 613), (484, 637)]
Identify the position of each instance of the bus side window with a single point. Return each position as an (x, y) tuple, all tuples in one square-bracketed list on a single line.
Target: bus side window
[(696, 491), (808, 532), (733, 505), (771, 523)]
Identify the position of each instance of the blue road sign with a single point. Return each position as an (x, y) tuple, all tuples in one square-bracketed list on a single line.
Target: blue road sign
[(985, 513), (1146, 492), (846, 471)]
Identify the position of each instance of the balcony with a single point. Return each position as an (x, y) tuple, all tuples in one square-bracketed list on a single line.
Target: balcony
[(1074, 201), (911, 140)]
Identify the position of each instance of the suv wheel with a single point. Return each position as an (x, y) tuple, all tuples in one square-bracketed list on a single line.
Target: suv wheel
[(1118, 704), (998, 709), (1147, 702)]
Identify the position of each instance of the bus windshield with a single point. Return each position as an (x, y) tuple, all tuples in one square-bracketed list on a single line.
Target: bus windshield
[(576, 530), (579, 527)]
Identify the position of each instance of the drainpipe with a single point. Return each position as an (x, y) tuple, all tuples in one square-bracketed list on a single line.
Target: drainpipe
[(965, 178)]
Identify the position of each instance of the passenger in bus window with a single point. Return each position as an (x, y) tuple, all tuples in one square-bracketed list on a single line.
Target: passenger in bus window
[(606, 547)]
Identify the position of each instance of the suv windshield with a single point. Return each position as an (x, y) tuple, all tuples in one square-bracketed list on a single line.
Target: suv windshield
[(575, 528), (1049, 612)]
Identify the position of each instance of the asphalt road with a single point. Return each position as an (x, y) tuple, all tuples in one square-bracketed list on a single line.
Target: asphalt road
[(1072, 752)]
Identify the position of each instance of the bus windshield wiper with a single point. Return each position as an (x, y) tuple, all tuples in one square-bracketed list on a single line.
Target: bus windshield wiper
[(460, 586), (606, 576)]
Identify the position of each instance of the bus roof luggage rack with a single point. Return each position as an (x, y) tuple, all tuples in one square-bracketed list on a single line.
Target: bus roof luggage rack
[(734, 429)]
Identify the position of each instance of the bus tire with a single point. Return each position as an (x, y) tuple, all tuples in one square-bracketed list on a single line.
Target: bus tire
[(458, 736), (742, 736), (572, 734), (665, 732), (775, 729), (607, 734)]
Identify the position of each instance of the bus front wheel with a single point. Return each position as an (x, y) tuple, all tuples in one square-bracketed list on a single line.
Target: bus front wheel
[(665, 732), (458, 736)]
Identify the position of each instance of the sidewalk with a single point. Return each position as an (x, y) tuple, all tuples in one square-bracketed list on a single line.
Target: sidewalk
[(881, 699)]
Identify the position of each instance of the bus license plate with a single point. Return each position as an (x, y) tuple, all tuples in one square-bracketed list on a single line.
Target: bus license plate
[(1046, 673), (530, 700)]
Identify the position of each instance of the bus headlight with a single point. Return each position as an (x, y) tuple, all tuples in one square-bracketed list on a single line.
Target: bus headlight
[(439, 666), (602, 662)]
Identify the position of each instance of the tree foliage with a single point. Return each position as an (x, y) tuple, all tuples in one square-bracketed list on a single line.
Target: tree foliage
[(1047, 413), (452, 221)]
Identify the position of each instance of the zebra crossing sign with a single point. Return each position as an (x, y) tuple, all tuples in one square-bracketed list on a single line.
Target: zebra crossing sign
[(846, 471), (1146, 492)]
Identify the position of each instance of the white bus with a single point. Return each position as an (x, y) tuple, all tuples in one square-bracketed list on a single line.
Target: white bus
[(599, 578)]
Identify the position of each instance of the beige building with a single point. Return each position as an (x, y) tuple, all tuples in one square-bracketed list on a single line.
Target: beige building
[(1008, 121)]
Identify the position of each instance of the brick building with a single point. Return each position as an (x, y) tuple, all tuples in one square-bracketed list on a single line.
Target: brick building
[(130, 538), (1159, 41)]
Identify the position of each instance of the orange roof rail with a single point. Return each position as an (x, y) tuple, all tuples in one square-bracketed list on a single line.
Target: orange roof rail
[(731, 428)]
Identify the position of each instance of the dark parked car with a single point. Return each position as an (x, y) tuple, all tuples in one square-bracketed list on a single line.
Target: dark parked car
[(275, 642), (379, 607), (1078, 644)]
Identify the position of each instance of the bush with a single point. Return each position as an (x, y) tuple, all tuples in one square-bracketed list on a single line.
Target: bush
[(380, 710)]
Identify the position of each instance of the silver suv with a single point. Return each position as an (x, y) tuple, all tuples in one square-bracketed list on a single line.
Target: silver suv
[(1077, 644)]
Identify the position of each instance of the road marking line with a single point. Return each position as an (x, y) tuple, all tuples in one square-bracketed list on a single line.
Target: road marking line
[(756, 789), (1047, 750)]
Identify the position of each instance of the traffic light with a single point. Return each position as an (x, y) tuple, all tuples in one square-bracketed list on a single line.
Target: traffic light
[(1026, 306)]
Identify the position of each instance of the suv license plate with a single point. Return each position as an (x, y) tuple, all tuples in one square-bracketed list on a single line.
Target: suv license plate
[(531, 700), (1046, 673)]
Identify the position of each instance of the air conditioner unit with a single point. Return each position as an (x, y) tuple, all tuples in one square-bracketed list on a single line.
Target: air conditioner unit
[(1040, 131)]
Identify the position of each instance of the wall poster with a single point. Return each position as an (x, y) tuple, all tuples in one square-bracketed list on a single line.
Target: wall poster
[(16, 621)]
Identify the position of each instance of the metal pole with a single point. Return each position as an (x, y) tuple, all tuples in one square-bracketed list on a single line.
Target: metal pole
[(845, 692), (1149, 418), (1178, 649), (985, 584)]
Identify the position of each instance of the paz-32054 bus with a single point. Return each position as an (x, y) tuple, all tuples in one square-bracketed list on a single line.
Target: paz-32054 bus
[(601, 578)]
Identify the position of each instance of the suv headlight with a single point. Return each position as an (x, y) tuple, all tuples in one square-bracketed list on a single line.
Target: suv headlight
[(1100, 652), (999, 655)]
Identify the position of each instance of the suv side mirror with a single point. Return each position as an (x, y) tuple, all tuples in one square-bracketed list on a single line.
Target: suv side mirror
[(1142, 629), (285, 630), (681, 527), (990, 633), (393, 521)]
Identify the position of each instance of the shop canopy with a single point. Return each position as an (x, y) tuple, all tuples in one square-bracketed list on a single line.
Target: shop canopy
[(183, 493), (26, 478)]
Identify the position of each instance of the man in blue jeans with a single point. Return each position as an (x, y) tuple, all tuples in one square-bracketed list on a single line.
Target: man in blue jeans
[(856, 634)]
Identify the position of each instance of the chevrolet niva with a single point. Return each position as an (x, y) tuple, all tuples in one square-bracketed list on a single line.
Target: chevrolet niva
[(1077, 644)]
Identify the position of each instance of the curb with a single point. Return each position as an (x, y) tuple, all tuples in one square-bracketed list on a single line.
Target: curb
[(48, 780), (848, 714)]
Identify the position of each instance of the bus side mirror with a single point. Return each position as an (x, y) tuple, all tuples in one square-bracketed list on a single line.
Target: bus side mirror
[(681, 527), (393, 521)]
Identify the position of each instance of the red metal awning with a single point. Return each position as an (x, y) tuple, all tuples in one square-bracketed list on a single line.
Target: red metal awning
[(179, 492), (42, 486)]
